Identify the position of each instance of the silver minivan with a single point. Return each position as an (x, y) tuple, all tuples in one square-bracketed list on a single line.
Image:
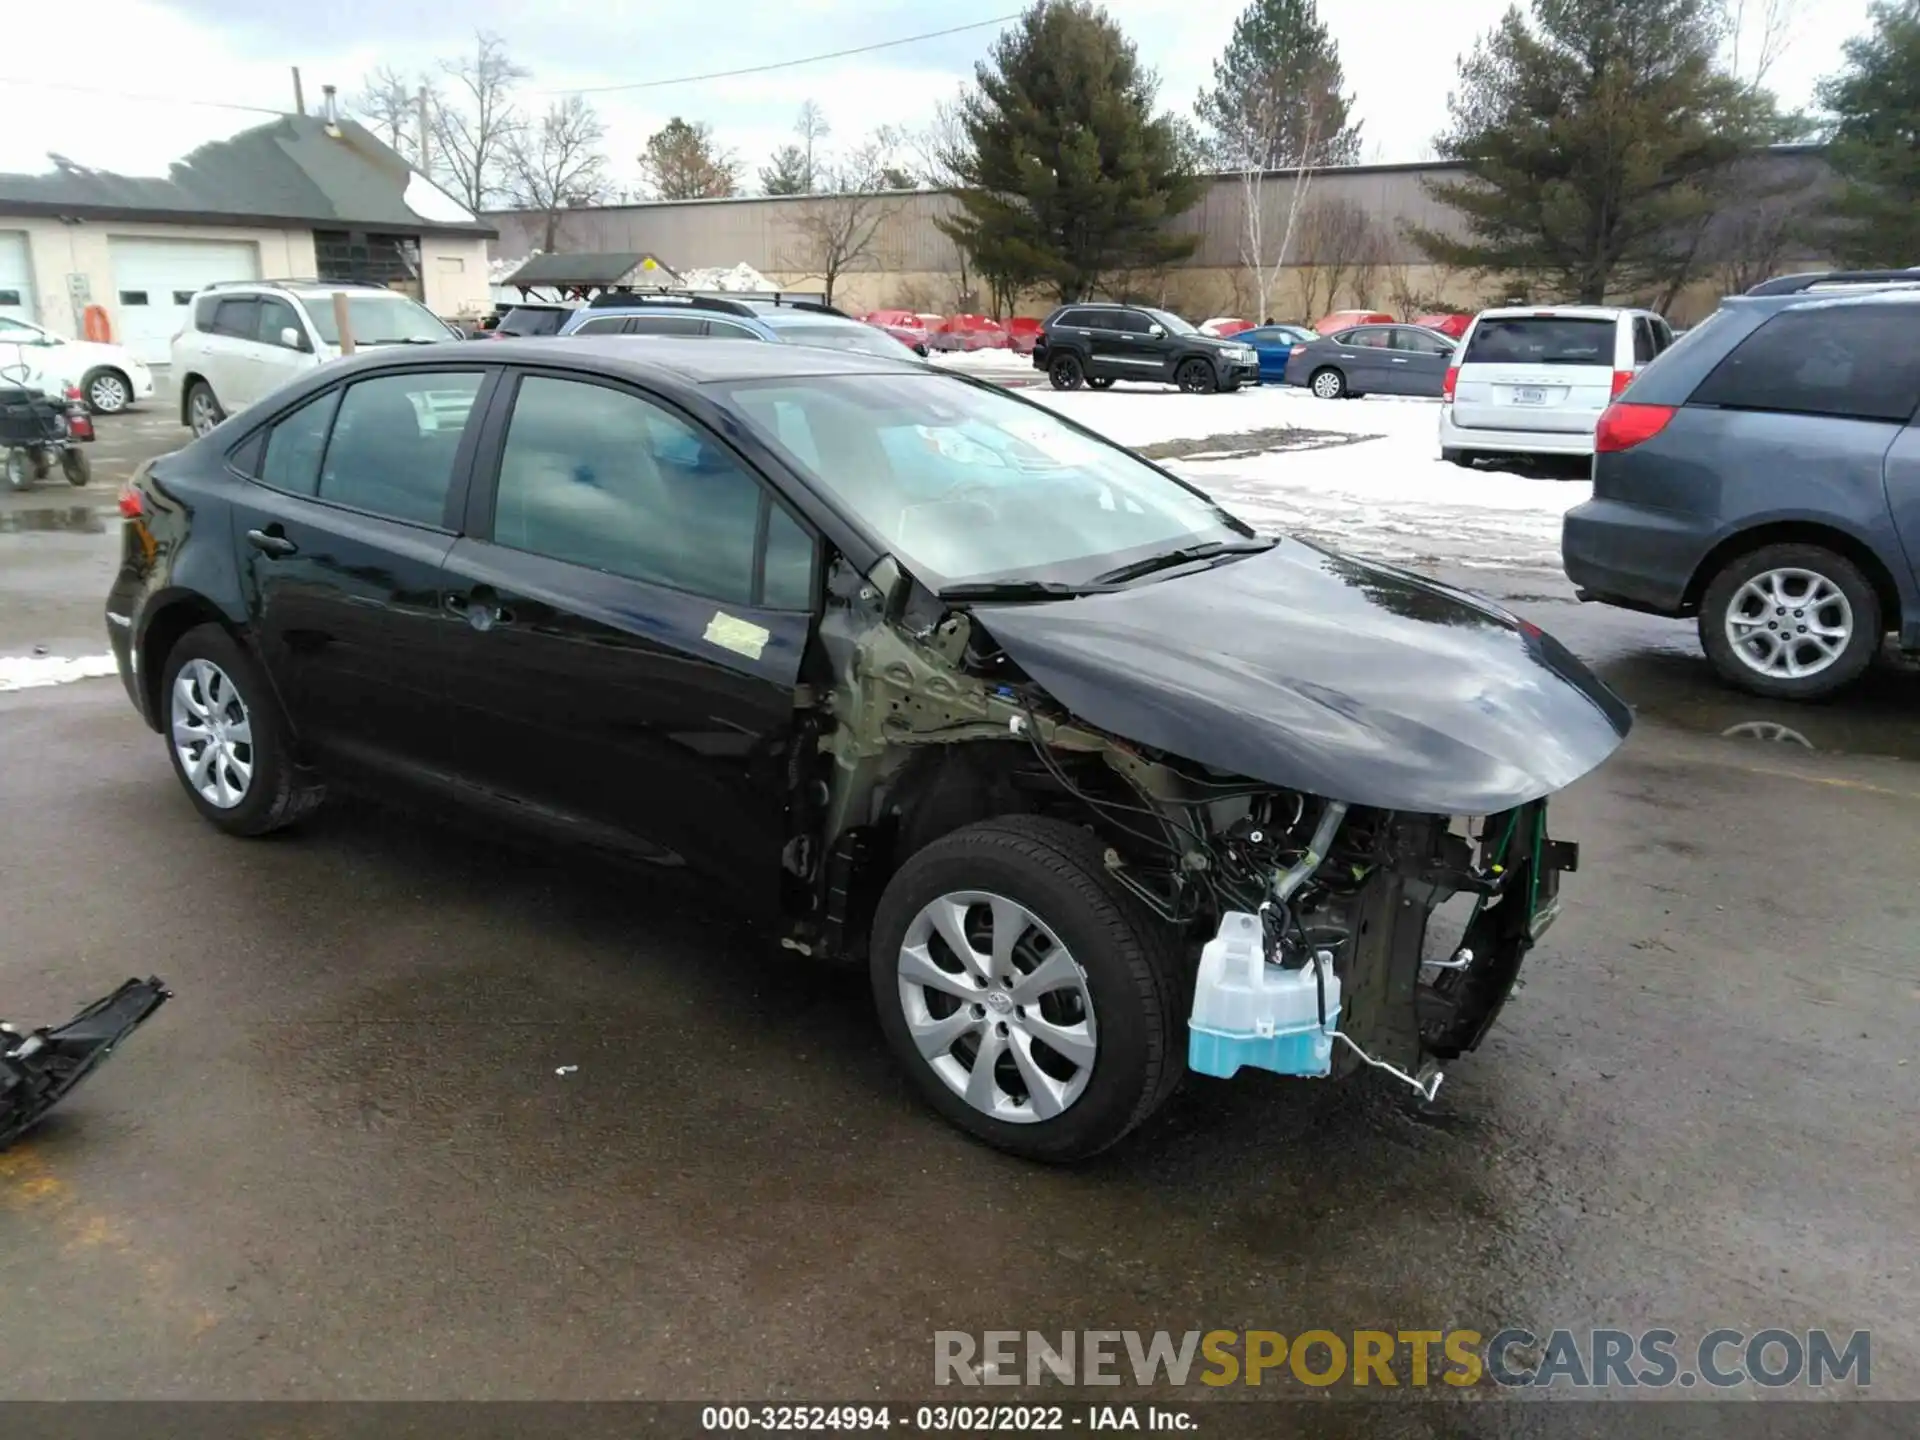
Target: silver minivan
[(1533, 380)]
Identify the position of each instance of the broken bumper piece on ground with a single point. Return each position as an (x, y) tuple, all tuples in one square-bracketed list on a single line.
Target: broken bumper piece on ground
[(40, 1067)]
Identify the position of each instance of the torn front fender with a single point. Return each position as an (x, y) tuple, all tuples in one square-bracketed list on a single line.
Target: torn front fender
[(38, 1068), (1318, 673)]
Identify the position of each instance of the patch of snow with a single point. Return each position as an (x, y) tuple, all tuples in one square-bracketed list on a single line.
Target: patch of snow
[(741, 277), (987, 363), (28, 672), (430, 202)]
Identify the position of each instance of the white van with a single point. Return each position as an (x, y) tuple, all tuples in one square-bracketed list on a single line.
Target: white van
[(1533, 380)]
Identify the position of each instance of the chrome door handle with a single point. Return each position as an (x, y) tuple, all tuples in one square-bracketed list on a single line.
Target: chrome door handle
[(271, 543)]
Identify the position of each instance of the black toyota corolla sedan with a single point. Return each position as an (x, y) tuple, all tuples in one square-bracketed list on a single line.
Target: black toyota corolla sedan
[(1098, 783)]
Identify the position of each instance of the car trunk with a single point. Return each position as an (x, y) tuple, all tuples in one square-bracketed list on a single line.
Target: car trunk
[(1536, 373)]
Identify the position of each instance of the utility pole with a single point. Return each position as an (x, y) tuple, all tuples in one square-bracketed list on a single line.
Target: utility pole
[(426, 136), (299, 95)]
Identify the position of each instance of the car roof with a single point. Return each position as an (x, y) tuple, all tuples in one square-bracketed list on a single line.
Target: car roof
[(781, 319), (662, 359), (1837, 298), (1568, 312)]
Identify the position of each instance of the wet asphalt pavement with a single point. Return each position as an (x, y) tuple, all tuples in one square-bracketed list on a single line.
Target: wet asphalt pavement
[(341, 1162)]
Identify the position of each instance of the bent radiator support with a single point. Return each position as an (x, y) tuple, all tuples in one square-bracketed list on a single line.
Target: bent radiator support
[(38, 1068)]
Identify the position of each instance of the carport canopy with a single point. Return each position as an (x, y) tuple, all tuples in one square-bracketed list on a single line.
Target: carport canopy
[(577, 276)]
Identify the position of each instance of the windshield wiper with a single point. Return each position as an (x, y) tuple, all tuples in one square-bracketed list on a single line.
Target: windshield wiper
[(1020, 590), (1183, 556)]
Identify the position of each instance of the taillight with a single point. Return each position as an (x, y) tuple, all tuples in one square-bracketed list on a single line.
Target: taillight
[(1447, 385), (132, 506), (1621, 379), (1296, 350), (1624, 425)]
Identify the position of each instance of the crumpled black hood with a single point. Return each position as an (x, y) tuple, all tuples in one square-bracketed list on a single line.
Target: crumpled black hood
[(1315, 672)]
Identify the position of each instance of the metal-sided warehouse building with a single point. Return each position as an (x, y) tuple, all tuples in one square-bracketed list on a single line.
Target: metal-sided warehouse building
[(300, 196)]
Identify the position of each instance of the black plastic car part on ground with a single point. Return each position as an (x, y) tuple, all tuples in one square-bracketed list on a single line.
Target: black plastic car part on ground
[(921, 673), (40, 1067), (1773, 497), (1098, 345)]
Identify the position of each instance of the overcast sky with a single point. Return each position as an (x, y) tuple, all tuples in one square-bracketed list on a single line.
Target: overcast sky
[(1399, 58)]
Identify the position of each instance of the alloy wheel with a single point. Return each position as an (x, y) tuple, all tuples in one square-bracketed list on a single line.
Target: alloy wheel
[(997, 1006), (203, 413), (212, 734), (1327, 385), (1789, 623), (108, 394)]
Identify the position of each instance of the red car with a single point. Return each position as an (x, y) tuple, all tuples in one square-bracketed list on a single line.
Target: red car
[(1448, 324), (1225, 326), (969, 332), (1347, 319), (1022, 333), (903, 325)]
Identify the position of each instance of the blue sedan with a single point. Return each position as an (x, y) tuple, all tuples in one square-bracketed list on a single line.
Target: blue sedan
[(1273, 343)]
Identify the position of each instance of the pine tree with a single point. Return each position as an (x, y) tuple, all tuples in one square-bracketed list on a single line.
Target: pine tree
[(681, 162), (786, 173), (1876, 141), (1595, 136), (1067, 175), (1276, 99)]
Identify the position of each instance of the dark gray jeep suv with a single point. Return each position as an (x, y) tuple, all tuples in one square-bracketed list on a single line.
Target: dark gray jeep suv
[(1764, 476), (1099, 344)]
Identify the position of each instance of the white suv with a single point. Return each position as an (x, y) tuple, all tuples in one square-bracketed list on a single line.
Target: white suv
[(1534, 380), (246, 339)]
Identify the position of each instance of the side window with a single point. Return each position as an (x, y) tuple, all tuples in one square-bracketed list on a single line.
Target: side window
[(600, 477), (727, 330), (1857, 361), (789, 563), (275, 316), (603, 325), (295, 445), (1370, 339), (395, 441), (204, 311), (236, 318), (1130, 321), (667, 325), (1073, 319), (1662, 336), (1644, 346), (1417, 341)]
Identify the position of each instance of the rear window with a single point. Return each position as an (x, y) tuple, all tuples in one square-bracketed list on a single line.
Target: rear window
[(523, 320), (1856, 361), (1541, 340)]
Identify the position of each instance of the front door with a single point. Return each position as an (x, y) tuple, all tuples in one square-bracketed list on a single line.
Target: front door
[(1420, 359), (340, 540), (633, 606), (1366, 357), (274, 361)]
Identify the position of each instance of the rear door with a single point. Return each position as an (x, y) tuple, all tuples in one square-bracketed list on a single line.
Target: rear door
[(1111, 352), (1540, 373), (634, 602), (354, 500), (1364, 357), (1420, 358)]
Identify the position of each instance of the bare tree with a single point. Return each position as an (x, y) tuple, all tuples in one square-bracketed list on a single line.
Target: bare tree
[(811, 126), (1758, 33), (1273, 117), (1340, 245), (557, 164), (840, 228), (476, 122), (387, 105), (933, 149), (682, 162)]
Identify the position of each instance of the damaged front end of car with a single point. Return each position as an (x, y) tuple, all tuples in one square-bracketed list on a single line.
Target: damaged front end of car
[(1304, 909), (38, 1068)]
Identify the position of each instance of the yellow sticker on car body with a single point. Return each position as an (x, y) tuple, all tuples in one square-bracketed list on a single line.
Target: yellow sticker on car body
[(743, 637)]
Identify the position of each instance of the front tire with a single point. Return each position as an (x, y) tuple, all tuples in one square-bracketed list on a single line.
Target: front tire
[(1790, 622), (1055, 980), (107, 391), (1328, 383), (19, 470), (226, 738), (1196, 377), (1066, 372)]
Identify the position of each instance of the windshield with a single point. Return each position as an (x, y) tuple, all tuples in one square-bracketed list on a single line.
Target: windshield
[(861, 339), (1173, 323), (375, 319), (965, 484)]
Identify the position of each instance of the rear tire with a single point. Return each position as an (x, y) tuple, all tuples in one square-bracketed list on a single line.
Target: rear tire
[(213, 695), (1100, 382), (75, 465), (1066, 372), (1458, 457), (1122, 968), (19, 470), (203, 409), (1756, 635)]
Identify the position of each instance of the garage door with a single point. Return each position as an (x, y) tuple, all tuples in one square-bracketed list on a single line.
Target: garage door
[(154, 282), (16, 276)]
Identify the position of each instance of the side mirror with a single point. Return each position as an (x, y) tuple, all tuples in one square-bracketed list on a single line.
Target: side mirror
[(293, 339), (1157, 331)]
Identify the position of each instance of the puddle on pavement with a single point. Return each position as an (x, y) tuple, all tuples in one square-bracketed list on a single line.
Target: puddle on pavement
[(1874, 718), (86, 519)]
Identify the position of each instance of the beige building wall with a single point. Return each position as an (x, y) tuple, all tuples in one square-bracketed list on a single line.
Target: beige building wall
[(59, 248), (453, 276)]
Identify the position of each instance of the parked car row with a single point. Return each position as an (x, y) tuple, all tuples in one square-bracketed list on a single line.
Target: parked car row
[(110, 378)]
